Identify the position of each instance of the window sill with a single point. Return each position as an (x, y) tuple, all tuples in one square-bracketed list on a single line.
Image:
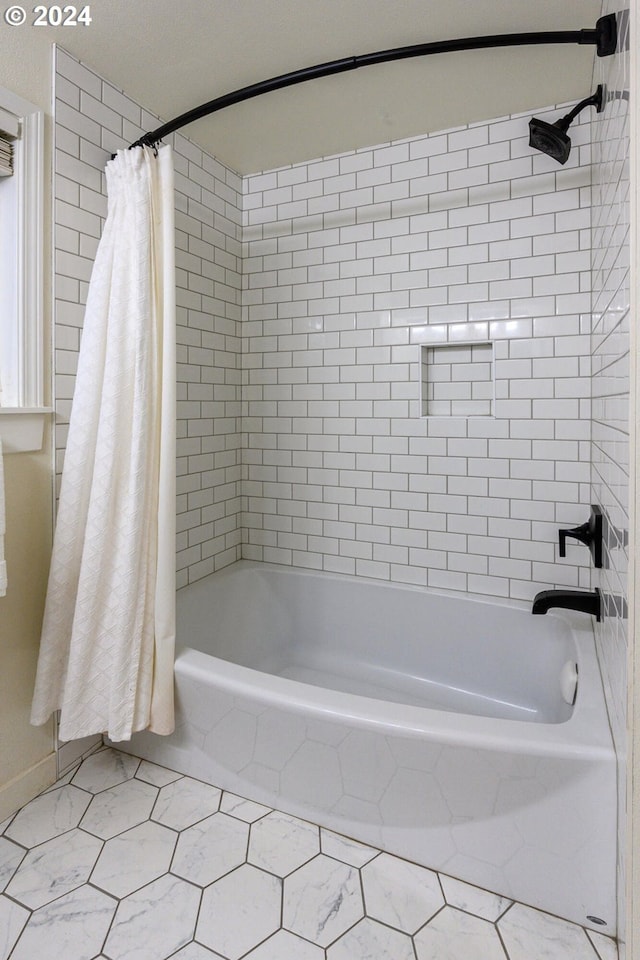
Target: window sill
[(22, 428)]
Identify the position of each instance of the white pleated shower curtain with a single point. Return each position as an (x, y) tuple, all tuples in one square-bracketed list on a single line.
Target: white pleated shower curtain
[(107, 647)]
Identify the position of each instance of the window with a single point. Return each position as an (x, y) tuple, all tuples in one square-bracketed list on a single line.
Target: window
[(21, 275)]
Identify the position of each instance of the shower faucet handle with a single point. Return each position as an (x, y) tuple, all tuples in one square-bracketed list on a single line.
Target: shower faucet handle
[(581, 533), (589, 533)]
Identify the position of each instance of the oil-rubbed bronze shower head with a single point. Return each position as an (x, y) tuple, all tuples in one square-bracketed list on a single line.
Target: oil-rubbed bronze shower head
[(551, 138)]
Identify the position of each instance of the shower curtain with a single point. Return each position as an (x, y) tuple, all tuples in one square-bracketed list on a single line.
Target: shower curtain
[(107, 647)]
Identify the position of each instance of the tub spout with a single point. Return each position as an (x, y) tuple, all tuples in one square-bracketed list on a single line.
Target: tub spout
[(583, 600)]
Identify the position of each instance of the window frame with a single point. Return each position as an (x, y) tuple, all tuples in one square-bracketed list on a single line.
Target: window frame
[(22, 423)]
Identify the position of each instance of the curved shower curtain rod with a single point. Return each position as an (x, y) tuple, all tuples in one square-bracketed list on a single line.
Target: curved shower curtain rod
[(603, 36)]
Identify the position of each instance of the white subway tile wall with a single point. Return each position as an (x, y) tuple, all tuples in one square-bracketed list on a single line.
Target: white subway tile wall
[(356, 268), (350, 265), (610, 388), (93, 120)]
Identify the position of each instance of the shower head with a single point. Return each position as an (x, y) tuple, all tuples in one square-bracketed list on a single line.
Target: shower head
[(551, 138)]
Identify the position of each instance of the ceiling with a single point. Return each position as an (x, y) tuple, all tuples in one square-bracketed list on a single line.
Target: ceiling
[(172, 55)]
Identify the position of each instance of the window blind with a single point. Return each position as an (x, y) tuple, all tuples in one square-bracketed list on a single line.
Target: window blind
[(9, 130), (6, 155)]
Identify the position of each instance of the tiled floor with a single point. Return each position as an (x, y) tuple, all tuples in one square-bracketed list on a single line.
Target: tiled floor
[(129, 861)]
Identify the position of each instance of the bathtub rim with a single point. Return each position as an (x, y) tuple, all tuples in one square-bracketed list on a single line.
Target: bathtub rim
[(585, 731)]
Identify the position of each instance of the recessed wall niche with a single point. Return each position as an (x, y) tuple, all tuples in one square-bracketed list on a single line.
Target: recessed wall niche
[(457, 380)]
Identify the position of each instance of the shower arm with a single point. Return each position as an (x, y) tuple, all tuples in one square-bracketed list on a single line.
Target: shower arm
[(603, 36), (595, 100)]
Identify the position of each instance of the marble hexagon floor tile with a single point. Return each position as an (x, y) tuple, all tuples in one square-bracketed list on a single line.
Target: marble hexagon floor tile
[(193, 951), (105, 769), (184, 802), (119, 808), (134, 858), (239, 911), (246, 810), (11, 856), (48, 816), (605, 946), (158, 776), (54, 868), (523, 929), (154, 922), (471, 899), (400, 894), (131, 861), (454, 935), (13, 919), (285, 944), (210, 849), (342, 848), (370, 939), (70, 928), (322, 900), (280, 843)]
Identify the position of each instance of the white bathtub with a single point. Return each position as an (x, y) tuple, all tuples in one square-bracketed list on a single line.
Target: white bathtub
[(431, 726)]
